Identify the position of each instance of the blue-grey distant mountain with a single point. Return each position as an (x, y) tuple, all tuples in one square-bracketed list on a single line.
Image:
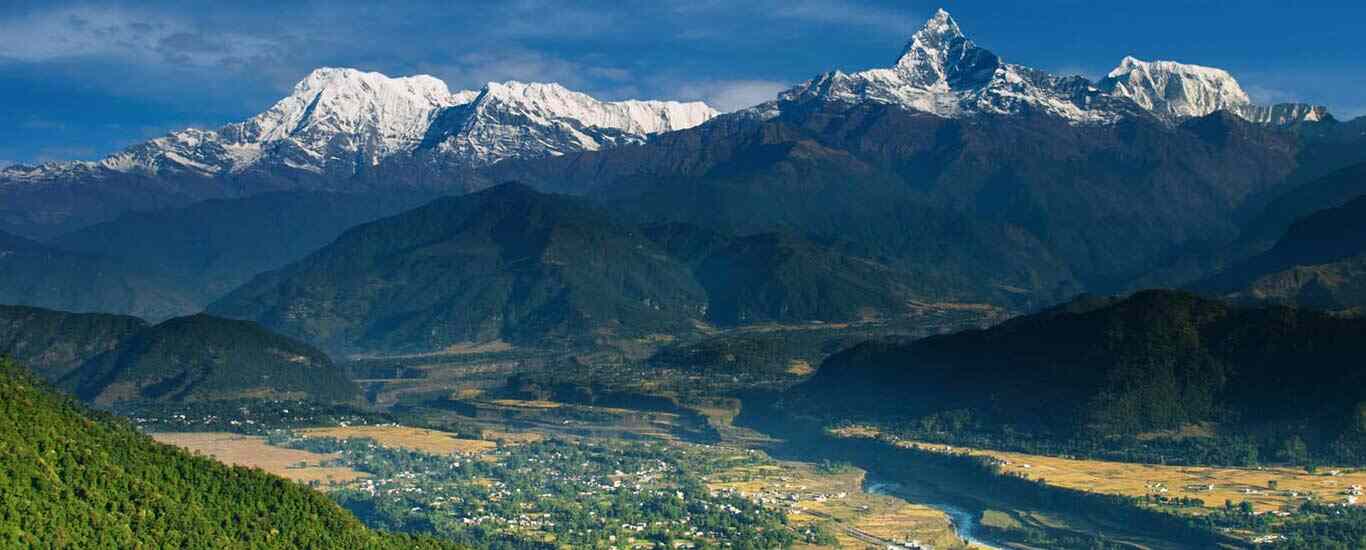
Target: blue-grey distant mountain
[(113, 358), (512, 264), (1319, 262)]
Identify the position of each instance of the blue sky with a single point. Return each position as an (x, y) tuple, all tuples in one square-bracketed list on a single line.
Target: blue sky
[(81, 80)]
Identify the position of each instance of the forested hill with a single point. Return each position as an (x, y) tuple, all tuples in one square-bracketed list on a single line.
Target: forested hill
[(108, 358), (1320, 262), (202, 357), (53, 344), (1157, 361), (71, 478), (514, 264)]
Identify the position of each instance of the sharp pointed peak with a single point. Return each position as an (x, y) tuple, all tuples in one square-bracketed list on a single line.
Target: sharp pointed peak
[(941, 16), (940, 24)]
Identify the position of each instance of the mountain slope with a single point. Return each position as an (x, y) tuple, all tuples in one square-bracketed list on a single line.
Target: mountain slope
[(1022, 209), (108, 358), (77, 479), (41, 275), (777, 278), (55, 344), (1158, 360), (505, 263), (1319, 263), (201, 358), (1331, 190), (206, 249)]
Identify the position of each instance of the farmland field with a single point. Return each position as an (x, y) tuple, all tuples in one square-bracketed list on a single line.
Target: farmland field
[(252, 451), (1214, 486)]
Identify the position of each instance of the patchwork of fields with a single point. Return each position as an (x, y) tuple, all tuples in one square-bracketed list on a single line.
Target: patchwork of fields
[(1267, 489)]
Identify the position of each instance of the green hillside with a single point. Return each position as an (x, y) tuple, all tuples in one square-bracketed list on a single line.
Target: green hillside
[(76, 479), (1157, 362), (107, 358), (55, 344), (506, 263), (206, 358)]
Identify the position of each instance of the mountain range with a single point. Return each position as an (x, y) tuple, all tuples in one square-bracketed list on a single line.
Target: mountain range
[(941, 71), (344, 129), (951, 175), (338, 130)]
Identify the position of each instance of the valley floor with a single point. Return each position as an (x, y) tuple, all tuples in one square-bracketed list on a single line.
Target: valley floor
[(825, 505)]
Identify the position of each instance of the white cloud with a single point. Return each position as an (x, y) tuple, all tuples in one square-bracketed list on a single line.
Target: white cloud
[(891, 21), (732, 95), (97, 32)]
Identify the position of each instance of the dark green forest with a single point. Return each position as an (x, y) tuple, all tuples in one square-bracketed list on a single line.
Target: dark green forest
[(73, 478), (1268, 384)]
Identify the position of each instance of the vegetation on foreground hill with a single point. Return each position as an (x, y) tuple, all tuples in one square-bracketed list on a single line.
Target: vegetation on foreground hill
[(72, 478)]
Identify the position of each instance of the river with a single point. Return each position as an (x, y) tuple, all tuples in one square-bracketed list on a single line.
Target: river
[(964, 522)]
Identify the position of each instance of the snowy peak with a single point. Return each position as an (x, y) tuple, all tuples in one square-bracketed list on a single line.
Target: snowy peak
[(939, 55), (339, 122), (1175, 89), (530, 120), (941, 71), (341, 116), (553, 101)]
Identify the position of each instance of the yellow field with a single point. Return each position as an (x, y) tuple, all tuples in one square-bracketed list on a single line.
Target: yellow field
[(838, 500), (417, 439), (252, 451), (469, 348), (1235, 484), (798, 367), (527, 404)]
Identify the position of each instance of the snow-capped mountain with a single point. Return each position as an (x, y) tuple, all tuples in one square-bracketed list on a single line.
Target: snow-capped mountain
[(342, 121), (941, 71), (1174, 89), (519, 120)]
